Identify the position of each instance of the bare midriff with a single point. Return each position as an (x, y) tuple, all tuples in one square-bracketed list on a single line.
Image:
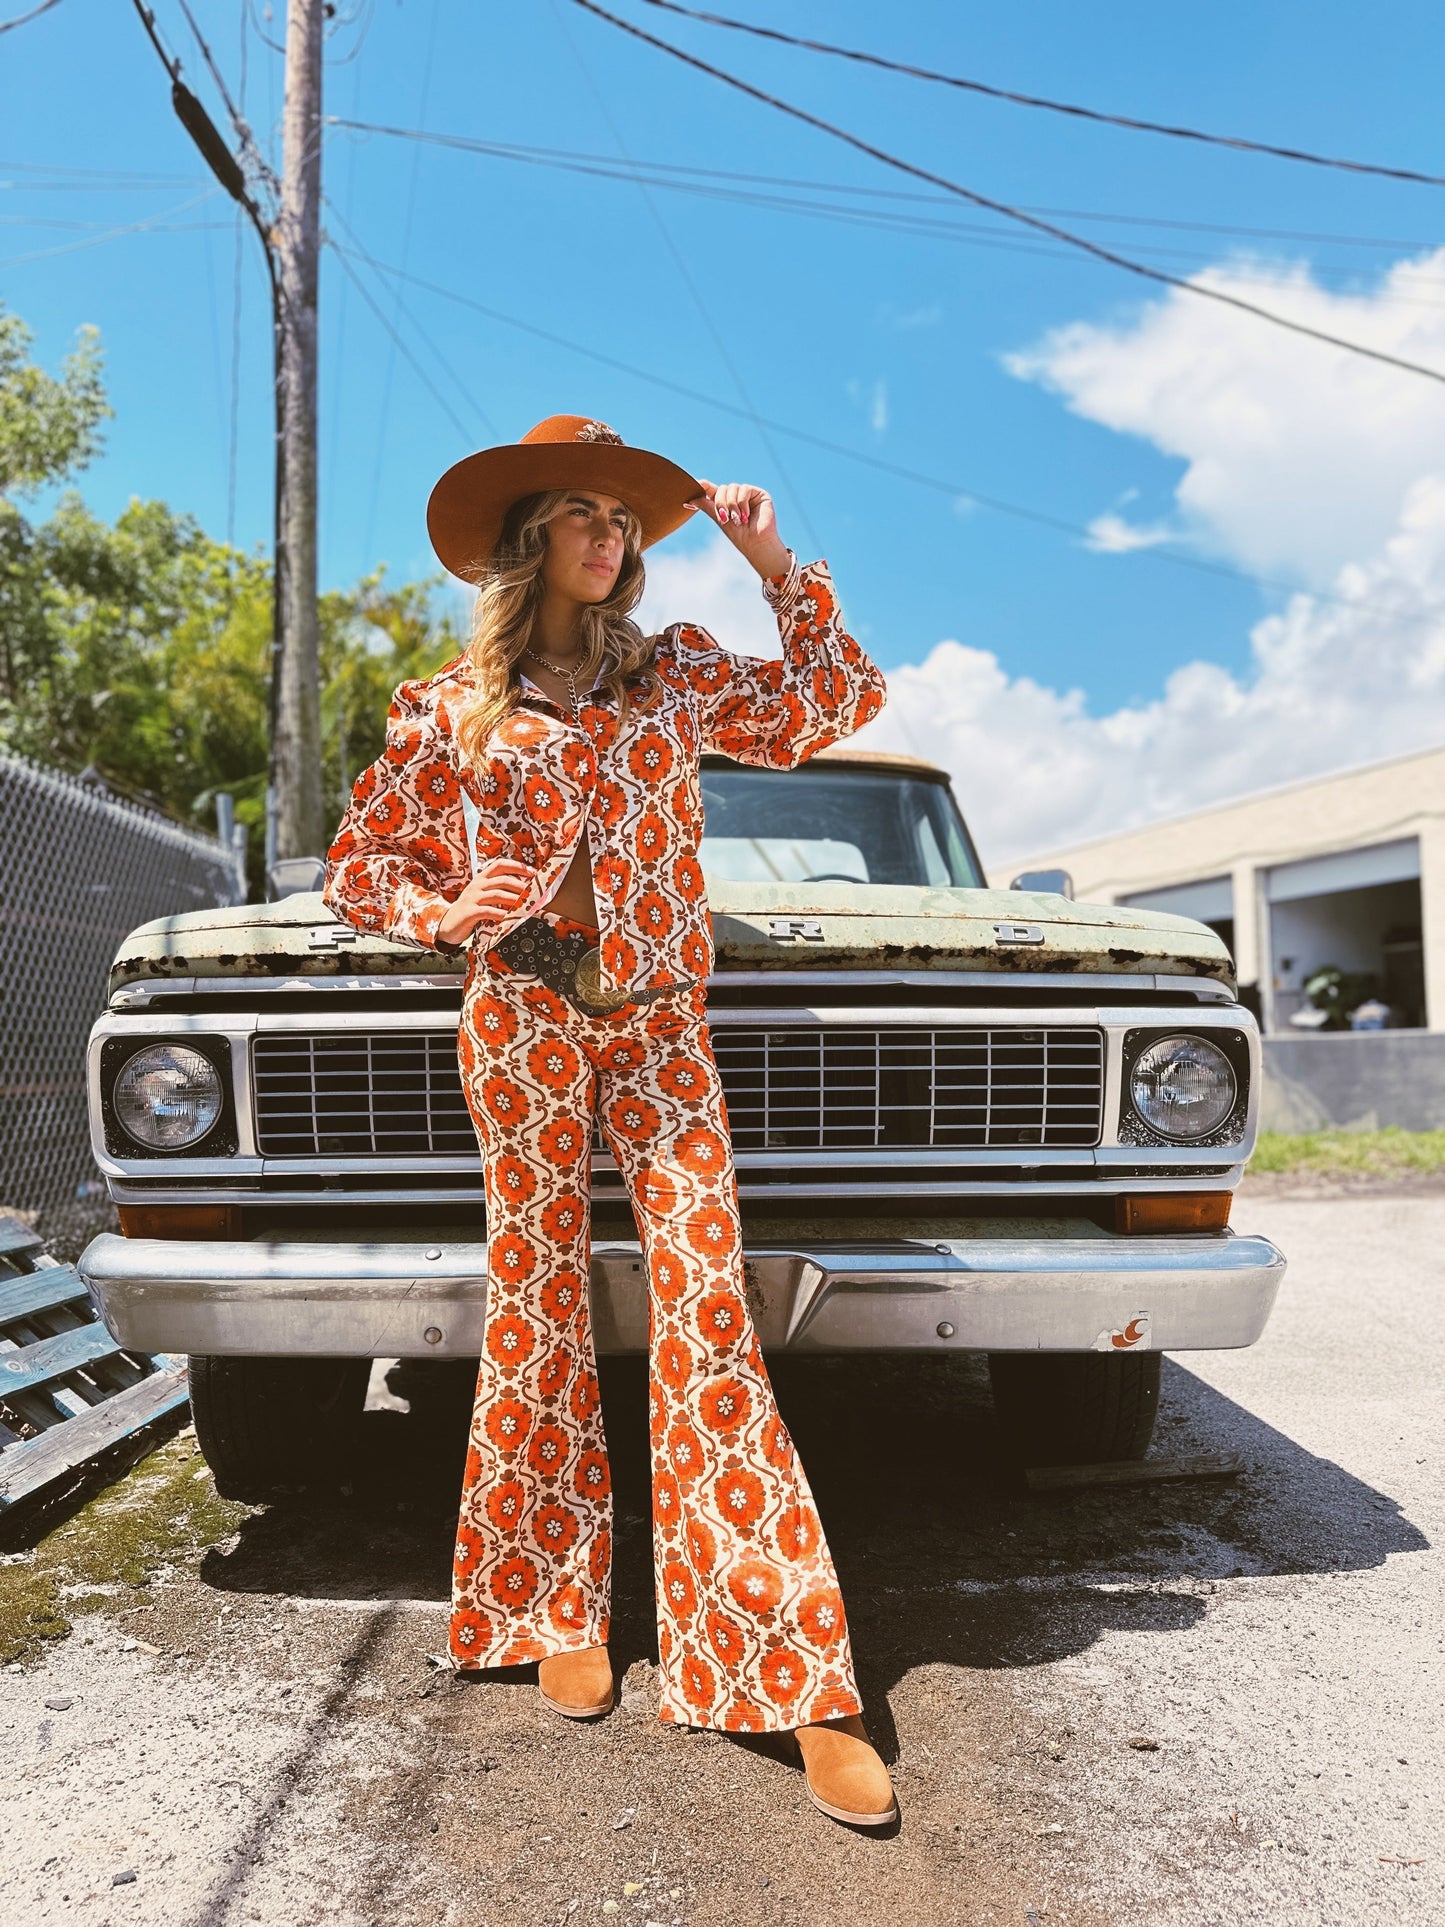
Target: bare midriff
[(574, 896)]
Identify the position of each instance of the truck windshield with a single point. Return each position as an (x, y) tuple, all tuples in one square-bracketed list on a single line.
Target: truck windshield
[(850, 824)]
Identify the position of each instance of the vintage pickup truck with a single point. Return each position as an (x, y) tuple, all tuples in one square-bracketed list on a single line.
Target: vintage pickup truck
[(964, 1119)]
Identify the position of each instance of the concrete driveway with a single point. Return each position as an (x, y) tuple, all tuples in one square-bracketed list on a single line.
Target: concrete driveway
[(1199, 1703)]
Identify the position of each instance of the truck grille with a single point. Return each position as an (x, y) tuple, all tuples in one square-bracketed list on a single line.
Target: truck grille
[(367, 1094), (397, 1093), (847, 1088)]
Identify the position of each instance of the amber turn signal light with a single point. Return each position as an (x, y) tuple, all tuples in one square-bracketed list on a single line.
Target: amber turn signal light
[(1179, 1211), (180, 1220)]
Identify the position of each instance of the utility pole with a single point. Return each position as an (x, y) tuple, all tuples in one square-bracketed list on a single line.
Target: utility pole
[(295, 821), (296, 680)]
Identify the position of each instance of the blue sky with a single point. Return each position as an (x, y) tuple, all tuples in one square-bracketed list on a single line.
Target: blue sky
[(895, 344)]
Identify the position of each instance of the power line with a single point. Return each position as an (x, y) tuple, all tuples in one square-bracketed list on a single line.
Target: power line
[(260, 33), (205, 136), (408, 315), (964, 233), (110, 234), (213, 314), (405, 313), (98, 175), (343, 256), (8, 26), (234, 425), (720, 345), (94, 227), (288, 626), (383, 413), (1107, 255), (1055, 106), (121, 183), (238, 119), (337, 357), (340, 23), (580, 162), (958, 491)]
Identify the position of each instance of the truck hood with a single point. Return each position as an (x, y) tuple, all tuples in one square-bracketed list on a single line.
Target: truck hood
[(851, 926)]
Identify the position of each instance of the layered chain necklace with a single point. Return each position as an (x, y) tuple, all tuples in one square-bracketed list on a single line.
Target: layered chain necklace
[(568, 676)]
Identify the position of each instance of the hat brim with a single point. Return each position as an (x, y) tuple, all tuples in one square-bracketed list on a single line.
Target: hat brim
[(468, 505)]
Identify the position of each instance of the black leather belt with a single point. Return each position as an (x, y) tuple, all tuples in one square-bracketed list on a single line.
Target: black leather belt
[(569, 965)]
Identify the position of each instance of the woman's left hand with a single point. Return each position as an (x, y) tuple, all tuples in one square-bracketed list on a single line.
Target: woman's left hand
[(745, 516)]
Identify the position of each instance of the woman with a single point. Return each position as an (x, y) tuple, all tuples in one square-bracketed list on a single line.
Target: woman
[(538, 801)]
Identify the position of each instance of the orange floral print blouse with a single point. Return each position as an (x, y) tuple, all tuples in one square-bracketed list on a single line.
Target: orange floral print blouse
[(421, 821)]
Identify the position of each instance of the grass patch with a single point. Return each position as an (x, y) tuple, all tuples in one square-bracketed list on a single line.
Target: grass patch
[(106, 1556), (1391, 1153)]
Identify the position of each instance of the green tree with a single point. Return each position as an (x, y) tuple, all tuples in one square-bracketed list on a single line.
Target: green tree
[(142, 649), (373, 637), (49, 425)]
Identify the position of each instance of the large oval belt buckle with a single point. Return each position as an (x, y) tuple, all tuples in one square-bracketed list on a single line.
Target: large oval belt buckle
[(588, 980)]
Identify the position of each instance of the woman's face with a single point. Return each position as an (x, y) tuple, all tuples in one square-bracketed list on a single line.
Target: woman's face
[(585, 544)]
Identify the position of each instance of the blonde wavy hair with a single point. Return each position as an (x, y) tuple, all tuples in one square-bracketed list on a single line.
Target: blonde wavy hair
[(508, 603)]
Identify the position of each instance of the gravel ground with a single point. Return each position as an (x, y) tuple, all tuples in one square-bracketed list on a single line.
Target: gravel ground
[(259, 1735)]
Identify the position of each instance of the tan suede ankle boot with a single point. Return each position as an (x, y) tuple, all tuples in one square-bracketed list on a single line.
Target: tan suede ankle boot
[(577, 1685), (846, 1778)]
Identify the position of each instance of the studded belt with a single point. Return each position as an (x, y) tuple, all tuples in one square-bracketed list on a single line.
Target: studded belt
[(569, 965)]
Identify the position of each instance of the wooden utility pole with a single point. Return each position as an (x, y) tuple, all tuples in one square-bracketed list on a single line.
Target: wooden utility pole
[(296, 702)]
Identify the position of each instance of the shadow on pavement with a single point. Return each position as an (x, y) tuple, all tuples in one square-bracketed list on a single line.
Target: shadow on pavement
[(943, 1557)]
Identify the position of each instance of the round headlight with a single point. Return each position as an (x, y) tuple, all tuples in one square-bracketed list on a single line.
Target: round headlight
[(167, 1097), (1182, 1087)]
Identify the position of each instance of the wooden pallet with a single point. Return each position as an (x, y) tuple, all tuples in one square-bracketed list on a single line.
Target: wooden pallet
[(67, 1390)]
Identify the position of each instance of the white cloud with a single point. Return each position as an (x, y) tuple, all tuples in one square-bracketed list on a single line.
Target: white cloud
[(1331, 683), (1112, 535), (1297, 457), (709, 584), (713, 586)]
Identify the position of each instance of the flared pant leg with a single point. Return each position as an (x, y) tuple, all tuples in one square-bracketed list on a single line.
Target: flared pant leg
[(751, 1628), (533, 1560), (752, 1635)]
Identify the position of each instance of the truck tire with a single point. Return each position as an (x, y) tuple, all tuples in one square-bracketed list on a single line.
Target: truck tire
[(268, 1422), (1075, 1408)]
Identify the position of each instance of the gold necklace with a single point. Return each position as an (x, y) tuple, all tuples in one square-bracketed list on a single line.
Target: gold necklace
[(567, 676)]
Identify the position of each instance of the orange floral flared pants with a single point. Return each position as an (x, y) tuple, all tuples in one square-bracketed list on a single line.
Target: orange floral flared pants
[(751, 1629)]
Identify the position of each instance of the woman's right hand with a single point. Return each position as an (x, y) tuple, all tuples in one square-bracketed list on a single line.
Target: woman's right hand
[(492, 894)]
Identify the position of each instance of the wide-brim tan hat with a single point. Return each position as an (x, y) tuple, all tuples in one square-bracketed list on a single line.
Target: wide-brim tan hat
[(467, 507)]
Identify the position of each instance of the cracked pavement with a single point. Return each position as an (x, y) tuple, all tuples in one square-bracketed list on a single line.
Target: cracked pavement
[(1203, 1703)]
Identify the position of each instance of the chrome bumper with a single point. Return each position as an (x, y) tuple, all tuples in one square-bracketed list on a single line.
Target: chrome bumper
[(429, 1301)]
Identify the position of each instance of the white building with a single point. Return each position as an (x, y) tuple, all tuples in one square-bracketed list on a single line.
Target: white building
[(1347, 869)]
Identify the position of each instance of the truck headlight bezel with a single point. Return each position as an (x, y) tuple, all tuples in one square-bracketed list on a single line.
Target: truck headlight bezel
[(1232, 1046), (218, 1139)]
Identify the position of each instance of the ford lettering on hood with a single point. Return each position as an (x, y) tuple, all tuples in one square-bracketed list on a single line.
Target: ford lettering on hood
[(756, 926)]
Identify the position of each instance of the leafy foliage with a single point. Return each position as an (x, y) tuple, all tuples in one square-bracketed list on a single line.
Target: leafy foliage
[(49, 426), (141, 649), (1337, 992)]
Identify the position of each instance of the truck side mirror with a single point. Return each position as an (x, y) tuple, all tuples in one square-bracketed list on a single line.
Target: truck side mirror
[(293, 874), (1049, 883)]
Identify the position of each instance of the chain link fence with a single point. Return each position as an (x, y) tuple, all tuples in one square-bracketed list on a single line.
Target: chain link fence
[(79, 869)]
